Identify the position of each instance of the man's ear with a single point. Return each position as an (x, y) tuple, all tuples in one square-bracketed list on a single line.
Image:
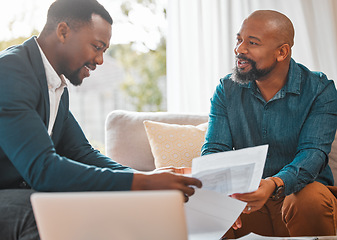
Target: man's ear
[(62, 31), (283, 52)]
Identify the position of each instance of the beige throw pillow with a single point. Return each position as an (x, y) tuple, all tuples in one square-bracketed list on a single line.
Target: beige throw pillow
[(173, 144)]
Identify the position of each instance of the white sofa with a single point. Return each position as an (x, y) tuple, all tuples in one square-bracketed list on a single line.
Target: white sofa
[(126, 140)]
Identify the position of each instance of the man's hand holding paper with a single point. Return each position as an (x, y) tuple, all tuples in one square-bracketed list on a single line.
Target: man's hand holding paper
[(223, 174), (255, 200)]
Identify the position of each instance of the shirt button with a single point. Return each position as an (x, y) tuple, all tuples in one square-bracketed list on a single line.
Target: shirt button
[(23, 184)]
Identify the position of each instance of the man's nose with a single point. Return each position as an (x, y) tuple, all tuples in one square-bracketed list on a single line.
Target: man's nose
[(99, 59), (241, 48)]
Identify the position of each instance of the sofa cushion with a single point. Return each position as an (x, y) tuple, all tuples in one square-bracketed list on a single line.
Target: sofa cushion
[(174, 144), (126, 141)]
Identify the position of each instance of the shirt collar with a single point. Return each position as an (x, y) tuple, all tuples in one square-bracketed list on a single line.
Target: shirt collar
[(54, 81), (294, 80)]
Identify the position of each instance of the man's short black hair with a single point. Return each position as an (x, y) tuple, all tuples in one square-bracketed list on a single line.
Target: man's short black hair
[(75, 13)]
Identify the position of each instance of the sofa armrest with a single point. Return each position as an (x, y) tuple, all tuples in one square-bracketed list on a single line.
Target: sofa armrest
[(126, 141), (333, 159)]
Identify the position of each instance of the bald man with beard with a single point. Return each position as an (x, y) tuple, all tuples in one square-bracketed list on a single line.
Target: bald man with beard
[(271, 99)]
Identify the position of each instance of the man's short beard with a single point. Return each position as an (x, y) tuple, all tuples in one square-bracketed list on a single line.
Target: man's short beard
[(252, 75), (74, 78)]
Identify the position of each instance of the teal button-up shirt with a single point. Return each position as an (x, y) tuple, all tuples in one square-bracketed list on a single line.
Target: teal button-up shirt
[(298, 123)]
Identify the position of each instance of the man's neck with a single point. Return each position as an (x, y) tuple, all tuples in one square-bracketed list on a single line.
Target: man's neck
[(273, 83), (49, 51)]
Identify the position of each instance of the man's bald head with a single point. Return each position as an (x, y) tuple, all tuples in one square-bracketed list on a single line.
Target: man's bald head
[(279, 24), (263, 47)]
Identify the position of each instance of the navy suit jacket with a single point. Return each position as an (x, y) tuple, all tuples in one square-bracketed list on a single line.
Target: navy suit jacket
[(63, 162)]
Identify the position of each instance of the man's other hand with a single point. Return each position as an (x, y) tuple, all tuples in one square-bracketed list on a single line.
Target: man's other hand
[(165, 181), (179, 170)]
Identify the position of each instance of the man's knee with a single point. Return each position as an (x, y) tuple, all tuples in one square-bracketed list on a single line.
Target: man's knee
[(311, 210), (16, 215), (312, 200)]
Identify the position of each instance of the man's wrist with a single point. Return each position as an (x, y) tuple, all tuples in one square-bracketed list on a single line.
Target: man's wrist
[(279, 188), (139, 181)]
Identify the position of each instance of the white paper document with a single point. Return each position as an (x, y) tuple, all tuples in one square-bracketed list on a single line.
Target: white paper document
[(253, 236), (210, 212)]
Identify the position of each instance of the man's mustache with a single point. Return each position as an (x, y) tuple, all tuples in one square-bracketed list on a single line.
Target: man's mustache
[(241, 56)]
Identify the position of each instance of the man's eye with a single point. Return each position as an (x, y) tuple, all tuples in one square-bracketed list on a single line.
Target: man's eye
[(253, 43), (96, 47)]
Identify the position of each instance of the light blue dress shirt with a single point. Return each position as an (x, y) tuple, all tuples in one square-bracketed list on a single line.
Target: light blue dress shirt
[(298, 123)]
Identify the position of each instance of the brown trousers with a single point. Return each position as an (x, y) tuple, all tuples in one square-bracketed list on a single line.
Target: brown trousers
[(309, 212)]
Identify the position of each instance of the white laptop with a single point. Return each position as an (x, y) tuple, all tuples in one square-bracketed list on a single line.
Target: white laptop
[(131, 215)]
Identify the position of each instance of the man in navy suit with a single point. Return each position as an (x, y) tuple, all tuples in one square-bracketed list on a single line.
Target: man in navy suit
[(42, 147)]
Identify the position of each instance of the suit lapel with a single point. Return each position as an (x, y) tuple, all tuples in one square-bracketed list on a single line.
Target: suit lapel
[(38, 68)]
